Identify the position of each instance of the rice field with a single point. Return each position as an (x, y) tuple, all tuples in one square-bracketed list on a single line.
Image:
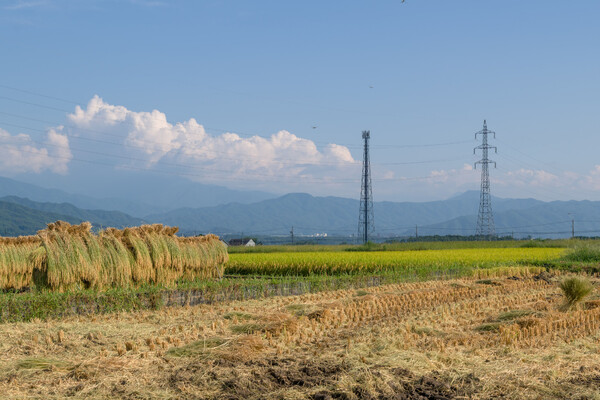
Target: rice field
[(476, 323), (417, 262), (507, 336)]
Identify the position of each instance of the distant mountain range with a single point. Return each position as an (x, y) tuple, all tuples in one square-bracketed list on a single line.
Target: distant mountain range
[(19, 216), (137, 195), (22, 212), (332, 215), (338, 216), (11, 187), (545, 219)]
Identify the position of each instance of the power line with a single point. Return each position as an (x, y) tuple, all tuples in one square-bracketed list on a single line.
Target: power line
[(227, 178), (394, 146), (241, 133), (39, 94), (164, 152), (34, 104), (286, 162), (535, 190), (526, 155)]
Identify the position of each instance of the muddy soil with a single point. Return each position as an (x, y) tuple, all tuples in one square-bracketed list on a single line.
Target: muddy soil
[(315, 379)]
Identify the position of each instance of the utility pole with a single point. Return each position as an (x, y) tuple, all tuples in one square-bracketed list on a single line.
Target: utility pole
[(416, 231), (485, 219), (572, 225), (292, 234), (366, 225)]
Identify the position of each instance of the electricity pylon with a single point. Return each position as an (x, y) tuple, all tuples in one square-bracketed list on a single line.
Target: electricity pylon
[(366, 223), (485, 219)]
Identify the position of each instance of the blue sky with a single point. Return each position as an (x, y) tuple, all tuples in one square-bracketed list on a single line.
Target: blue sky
[(421, 75)]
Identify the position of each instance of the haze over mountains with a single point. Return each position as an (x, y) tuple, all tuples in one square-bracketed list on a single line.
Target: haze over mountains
[(26, 208), (137, 195), (332, 215)]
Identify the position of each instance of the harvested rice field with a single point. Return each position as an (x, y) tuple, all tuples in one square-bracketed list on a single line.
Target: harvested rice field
[(503, 337)]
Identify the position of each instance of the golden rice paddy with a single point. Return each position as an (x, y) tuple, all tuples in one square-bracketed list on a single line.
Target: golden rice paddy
[(306, 263)]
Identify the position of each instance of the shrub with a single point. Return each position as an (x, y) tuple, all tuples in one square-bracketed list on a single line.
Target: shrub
[(583, 253)]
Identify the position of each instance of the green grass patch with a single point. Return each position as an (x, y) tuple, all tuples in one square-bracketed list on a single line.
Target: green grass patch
[(238, 315), (196, 348), (427, 331), (553, 243), (247, 328), (44, 364), (369, 246), (488, 282), (513, 314), (44, 305), (298, 309), (488, 327), (408, 246)]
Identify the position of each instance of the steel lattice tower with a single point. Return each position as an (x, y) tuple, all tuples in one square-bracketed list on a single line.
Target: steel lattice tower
[(366, 223), (485, 219)]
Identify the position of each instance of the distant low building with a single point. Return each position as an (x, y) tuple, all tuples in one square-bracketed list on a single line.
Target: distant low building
[(242, 242)]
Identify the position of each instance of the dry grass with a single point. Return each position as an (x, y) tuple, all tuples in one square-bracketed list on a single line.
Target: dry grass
[(65, 257), (396, 340)]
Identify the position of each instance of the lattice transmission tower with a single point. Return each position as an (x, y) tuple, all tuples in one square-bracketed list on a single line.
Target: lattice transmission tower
[(366, 222), (485, 219)]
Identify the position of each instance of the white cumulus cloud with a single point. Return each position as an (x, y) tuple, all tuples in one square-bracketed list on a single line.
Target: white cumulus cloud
[(150, 137), (20, 153), (527, 177), (456, 176)]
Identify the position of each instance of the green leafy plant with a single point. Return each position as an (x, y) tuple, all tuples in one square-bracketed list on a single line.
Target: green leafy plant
[(583, 253)]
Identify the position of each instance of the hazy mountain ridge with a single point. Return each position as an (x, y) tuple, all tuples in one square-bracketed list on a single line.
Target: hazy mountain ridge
[(333, 215), (10, 187), (134, 193), (552, 219), (19, 216), (307, 214), (17, 220), (101, 218)]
